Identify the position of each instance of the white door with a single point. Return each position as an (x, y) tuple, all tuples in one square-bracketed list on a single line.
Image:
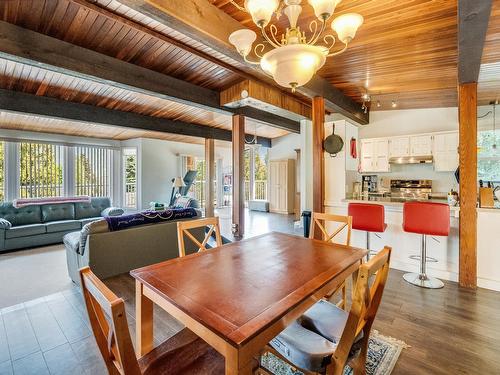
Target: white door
[(367, 159), (421, 145), (399, 146), (382, 155), (273, 186)]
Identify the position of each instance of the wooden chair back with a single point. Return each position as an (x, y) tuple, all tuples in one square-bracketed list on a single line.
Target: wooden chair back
[(364, 307), (109, 323), (320, 219), (183, 228)]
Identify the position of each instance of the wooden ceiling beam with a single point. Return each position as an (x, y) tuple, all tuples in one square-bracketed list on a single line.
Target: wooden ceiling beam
[(31, 48), (202, 21), (42, 106), (473, 18)]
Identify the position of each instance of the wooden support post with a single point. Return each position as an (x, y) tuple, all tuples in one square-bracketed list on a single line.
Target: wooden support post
[(209, 176), (318, 135), (467, 108), (238, 175)]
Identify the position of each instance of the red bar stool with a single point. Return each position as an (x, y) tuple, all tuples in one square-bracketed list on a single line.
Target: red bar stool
[(368, 217), (425, 218)]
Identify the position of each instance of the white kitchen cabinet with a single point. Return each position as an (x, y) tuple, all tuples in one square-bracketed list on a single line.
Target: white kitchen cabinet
[(367, 160), (421, 145), (375, 155), (399, 146), (445, 152)]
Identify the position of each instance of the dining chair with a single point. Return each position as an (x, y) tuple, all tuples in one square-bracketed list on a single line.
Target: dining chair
[(183, 227), (183, 353), (326, 338), (344, 222)]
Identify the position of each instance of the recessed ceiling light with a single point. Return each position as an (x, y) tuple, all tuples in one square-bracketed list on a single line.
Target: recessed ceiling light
[(378, 104), (394, 104)]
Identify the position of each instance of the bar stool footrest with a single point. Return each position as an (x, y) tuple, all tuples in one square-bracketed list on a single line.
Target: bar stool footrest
[(427, 259), (423, 281)]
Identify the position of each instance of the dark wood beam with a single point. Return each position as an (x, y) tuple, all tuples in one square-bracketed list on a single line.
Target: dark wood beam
[(202, 21), (209, 177), (238, 175), (467, 115), (473, 18), (31, 48), (318, 135), (269, 118), (13, 101)]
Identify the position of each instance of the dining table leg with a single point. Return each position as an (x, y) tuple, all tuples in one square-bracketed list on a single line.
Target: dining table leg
[(236, 364), (143, 321)]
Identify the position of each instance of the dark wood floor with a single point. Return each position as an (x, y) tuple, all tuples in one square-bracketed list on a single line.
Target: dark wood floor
[(450, 331)]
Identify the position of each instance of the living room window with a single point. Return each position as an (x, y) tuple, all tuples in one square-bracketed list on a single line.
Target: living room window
[(130, 177), (93, 171), (40, 170)]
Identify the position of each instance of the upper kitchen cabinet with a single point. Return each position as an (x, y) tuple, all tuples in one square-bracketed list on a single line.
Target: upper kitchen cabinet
[(445, 152), (421, 145), (399, 146), (375, 155)]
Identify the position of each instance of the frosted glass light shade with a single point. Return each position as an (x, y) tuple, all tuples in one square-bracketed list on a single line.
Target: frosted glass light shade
[(346, 26), (261, 10), (242, 40), (323, 7), (293, 65)]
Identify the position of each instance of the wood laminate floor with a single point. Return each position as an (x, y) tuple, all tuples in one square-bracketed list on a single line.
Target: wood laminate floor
[(450, 331)]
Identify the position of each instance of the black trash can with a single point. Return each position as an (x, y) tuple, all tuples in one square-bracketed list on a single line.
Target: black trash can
[(306, 222)]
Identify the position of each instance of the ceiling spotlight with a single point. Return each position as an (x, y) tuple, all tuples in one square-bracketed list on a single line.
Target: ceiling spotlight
[(366, 97), (378, 104), (394, 104)]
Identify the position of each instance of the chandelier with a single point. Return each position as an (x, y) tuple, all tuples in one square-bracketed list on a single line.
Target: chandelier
[(292, 59)]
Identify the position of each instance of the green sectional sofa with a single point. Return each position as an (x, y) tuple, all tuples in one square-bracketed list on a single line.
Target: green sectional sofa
[(46, 224)]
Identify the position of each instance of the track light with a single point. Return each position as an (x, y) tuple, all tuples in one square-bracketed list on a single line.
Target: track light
[(394, 104)]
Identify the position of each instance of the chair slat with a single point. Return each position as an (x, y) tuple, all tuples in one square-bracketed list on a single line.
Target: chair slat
[(183, 228)]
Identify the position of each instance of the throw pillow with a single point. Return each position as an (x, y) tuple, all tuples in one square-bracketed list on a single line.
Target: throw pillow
[(182, 202), (5, 224)]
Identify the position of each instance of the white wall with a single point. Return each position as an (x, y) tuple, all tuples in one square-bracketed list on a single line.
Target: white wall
[(284, 147), (414, 121), (409, 121)]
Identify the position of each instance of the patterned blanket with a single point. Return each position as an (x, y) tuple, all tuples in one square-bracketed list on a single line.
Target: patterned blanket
[(148, 217)]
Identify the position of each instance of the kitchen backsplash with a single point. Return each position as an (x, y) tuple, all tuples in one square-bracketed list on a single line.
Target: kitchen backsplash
[(441, 181)]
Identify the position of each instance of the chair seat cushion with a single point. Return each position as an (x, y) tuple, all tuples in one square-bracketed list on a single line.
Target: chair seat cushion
[(90, 220), (72, 241), (63, 226), (327, 320), (183, 353), (25, 230), (304, 348)]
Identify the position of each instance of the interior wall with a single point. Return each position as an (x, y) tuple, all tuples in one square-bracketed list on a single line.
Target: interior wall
[(284, 147), (414, 121)]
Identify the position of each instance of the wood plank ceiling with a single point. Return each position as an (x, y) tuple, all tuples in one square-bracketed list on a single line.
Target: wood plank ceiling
[(88, 26), (489, 74), (406, 51)]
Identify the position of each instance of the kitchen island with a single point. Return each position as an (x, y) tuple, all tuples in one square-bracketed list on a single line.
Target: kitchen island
[(444, 249)]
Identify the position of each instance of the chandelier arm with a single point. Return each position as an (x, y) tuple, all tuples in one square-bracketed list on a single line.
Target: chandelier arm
[(239, 7), (315, 37), (338, 52), (330, 45), (264, 34), (250, 61), (311, 24), (259, 49), (274, 32)]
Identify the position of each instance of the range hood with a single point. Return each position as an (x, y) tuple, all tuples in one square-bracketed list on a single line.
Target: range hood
[(411, 160)]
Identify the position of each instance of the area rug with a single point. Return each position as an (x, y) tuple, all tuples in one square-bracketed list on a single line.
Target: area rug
[(383, 353)]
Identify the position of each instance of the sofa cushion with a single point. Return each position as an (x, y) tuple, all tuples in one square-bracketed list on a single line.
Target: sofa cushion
[(63, 226), (72, 241), (84, 210), (90, 220), (112, 211), (25, 230), (58, 211), (20, 216)]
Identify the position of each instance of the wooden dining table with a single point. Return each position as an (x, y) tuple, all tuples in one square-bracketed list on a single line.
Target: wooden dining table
[(239, 296)]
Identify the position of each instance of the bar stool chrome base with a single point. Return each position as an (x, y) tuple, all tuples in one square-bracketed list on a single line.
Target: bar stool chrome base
[(423, 281)]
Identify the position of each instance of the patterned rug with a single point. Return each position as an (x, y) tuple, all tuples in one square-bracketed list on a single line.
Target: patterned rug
[(383, 353)]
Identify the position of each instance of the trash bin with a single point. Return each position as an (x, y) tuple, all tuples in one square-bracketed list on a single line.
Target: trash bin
[(306, 222)]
